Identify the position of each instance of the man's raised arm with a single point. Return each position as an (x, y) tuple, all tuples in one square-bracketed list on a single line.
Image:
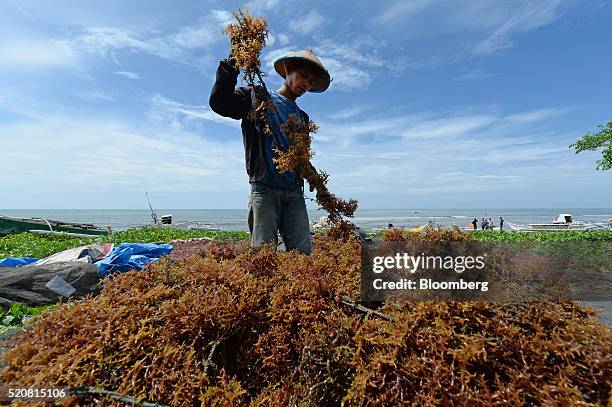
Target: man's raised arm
[(225, 99)]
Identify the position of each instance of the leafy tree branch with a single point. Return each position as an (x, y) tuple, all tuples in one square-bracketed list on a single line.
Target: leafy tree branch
[(592, 142)]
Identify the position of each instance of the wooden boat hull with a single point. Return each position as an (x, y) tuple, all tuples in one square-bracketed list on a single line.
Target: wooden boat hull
[(10, 225)]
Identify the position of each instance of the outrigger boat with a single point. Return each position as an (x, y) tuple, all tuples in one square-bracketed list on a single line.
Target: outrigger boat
[(10, 225), (561, 222)]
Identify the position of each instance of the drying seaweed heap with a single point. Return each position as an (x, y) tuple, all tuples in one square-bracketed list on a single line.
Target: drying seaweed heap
[(248, 37), (237, 326)]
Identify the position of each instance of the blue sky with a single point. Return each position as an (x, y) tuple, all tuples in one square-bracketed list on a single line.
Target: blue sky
[(434, 103)]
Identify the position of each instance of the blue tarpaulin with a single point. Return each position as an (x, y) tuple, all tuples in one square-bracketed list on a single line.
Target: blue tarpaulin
[(128, 256), (17, 261)]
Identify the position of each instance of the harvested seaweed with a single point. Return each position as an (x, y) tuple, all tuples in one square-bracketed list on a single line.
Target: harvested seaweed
[(234, 325)]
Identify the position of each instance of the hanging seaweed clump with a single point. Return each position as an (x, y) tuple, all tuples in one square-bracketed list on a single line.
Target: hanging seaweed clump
[(297, 158), (248, 36)]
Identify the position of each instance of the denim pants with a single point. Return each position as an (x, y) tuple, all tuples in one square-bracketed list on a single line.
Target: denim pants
[(273, 210)]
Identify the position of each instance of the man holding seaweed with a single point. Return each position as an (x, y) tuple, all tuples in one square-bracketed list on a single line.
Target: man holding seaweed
[(276, 203)]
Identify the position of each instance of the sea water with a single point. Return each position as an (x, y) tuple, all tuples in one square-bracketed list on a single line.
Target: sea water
[(367, 219)]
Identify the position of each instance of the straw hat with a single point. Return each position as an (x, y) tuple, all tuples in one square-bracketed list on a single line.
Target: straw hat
[(322, 78)]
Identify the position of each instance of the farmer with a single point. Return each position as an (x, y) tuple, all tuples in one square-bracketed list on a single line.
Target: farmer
[(276, 203)]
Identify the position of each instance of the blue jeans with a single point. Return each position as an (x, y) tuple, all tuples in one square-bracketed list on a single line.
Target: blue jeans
[(273, 210)]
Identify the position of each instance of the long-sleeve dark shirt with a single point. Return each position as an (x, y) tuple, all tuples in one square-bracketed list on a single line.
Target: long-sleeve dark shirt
[(236, 102)]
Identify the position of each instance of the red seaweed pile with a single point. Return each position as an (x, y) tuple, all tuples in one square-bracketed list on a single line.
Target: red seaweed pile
[(237, 326)]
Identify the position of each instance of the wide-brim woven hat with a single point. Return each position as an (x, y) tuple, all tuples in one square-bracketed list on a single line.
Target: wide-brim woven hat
[(322, 78)]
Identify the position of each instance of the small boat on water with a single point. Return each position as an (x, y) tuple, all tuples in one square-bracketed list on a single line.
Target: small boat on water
[(9, 225), (166, 222), (562, 221)]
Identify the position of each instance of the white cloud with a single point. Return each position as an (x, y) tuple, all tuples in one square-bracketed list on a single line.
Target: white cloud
[(514, 132), (128, 74), (189, 37), (403, 10), (501, 153), (348, 113), (351, 65), (447, 127), (269, 57), (354, 64), (95, 96), (485, 26), (473, 157), (106, 40), (283, 39), (309, 23), (198, 112), (344, 75), (32, 53), (271, 40), (536, 115), (257, 7), (532, 15), (363, 51), (178, 46), (222, 17), (274, 38), (480, 160), (58, 154)]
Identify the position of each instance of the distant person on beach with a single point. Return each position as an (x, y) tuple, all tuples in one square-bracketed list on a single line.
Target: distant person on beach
[(276, 203), (390, 226), (501, 224), (475, 223), (483, 223), (490, 224)]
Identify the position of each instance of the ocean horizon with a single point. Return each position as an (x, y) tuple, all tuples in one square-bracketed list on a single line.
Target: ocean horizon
[(367, 219)]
